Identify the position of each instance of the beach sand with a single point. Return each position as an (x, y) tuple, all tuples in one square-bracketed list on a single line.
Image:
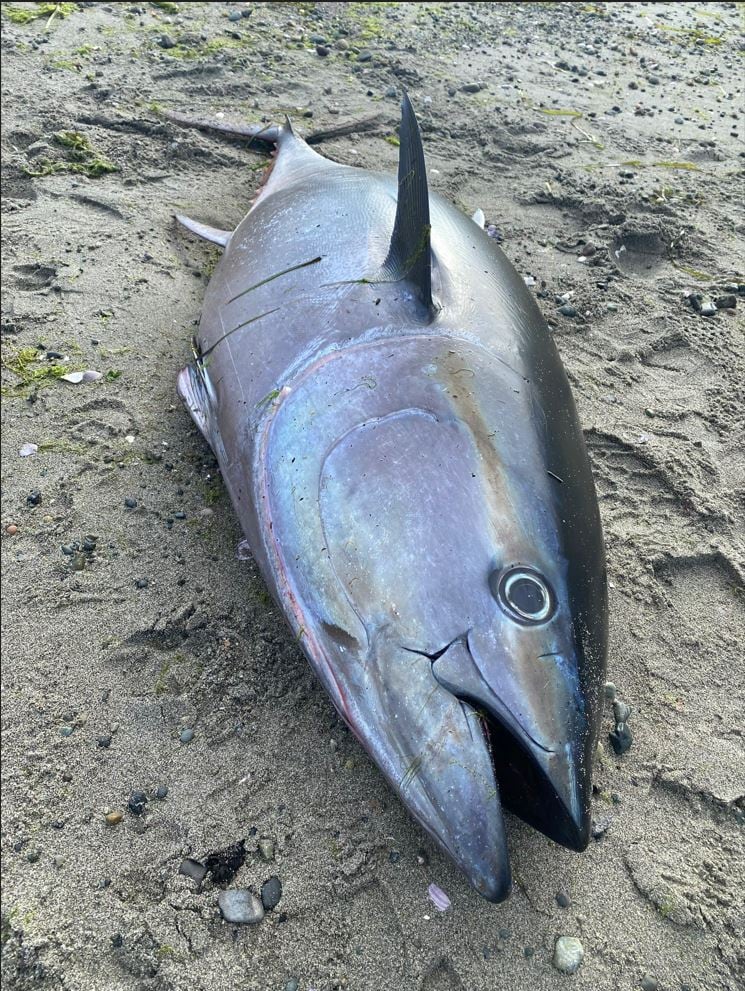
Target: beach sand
[(604, 144)]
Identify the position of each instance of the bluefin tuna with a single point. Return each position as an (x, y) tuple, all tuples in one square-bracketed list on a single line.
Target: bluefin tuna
[(399, 440)]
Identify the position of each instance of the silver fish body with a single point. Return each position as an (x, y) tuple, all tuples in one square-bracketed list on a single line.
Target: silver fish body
[(409, 470)]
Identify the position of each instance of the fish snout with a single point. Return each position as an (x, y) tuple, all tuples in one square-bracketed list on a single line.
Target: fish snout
[(537, 736)]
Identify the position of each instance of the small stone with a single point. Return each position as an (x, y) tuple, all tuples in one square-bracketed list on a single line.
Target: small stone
[(563, 900), (422, 858), (78, 562), (271, 893), (708, 308), (130, 503), (266, 848), (234, 15), (67, 731), (32, 856), (322, 50), (104, 741), (11, 529), (186, 735), (292, 984), (621, 739), (568, 954), (611, 307), (473, 87), (114, 818), (568, 310), (728, 302), (621, 711), (610, 690), (394, 856), (165, 41), (161, 791), (599, 827), (391, 93), (193, 869), (141, 583), (528, 952), (34, 498), (137, 802), (364, 57), (649, 983), (241, 907)]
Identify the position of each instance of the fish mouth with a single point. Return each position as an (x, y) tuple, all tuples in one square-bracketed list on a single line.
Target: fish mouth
[(546, 787)]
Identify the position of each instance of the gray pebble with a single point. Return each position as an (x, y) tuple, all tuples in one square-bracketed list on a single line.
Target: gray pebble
[(568, 954), (161, 791), (649, 984), (186, 735), (242, 907), (563, 900), (271, 893), (234, 15), (708, 308), (193, 869), (364, 56), (292, 984), (600, 827), (568, 310), (621, 711), (728, 302), (391, 93), (166, 42), (322, 50), (610, 690), (266, 848), (473, 87), (141, 583)]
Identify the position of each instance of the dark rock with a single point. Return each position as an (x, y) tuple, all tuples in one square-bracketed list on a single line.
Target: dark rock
[(568, 310), (137, 802), (165, 41), (364, 57), (161, 791), (104, 741), (473, 87), (649, 984), (130, 503), (271, 893), (621, 711), (728, 302), (141, 583), (224, 864), (322, 50), (34, 498), (621, 739), (563, 900)]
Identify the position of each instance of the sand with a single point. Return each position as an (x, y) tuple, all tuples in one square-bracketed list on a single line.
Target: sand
[(111, 651)]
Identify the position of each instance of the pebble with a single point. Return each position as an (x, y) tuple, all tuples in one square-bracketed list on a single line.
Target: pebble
[(161, 791), (266, 848), (391, 93), (114, 818), (137, 802), (193, 869), (568, 954), (104, 741), (186, 735), (322, 50), (610, 690), (141, 583), (67, 731), (621, 711), (292, 984), (728, 302), (599, 827), (11, 529), (649, 983), (242, 907), (130, 503), (473, 87), (611, 307), (271, 893), (234, 15), (364, 56), (708, 308), (165, 41), (34, 498), (568, 310), (621, 739), (563, 900)]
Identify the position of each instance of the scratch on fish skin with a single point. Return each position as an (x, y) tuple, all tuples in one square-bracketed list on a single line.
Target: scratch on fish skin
[(271, 278), (240, 325)]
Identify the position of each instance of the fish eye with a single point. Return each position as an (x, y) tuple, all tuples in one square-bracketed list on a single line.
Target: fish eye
[(524, 594)]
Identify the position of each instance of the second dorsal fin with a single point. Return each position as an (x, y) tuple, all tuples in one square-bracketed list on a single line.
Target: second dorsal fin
[(409, 254)]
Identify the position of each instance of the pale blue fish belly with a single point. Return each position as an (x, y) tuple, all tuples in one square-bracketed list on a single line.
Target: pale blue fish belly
[(413, 482)]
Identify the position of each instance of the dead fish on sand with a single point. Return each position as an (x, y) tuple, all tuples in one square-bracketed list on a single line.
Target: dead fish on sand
[(399, 440)]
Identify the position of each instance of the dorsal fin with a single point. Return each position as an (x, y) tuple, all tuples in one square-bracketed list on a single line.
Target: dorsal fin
[(409, 255)]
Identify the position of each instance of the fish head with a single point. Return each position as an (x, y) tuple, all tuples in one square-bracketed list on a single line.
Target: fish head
[(436, 574)]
